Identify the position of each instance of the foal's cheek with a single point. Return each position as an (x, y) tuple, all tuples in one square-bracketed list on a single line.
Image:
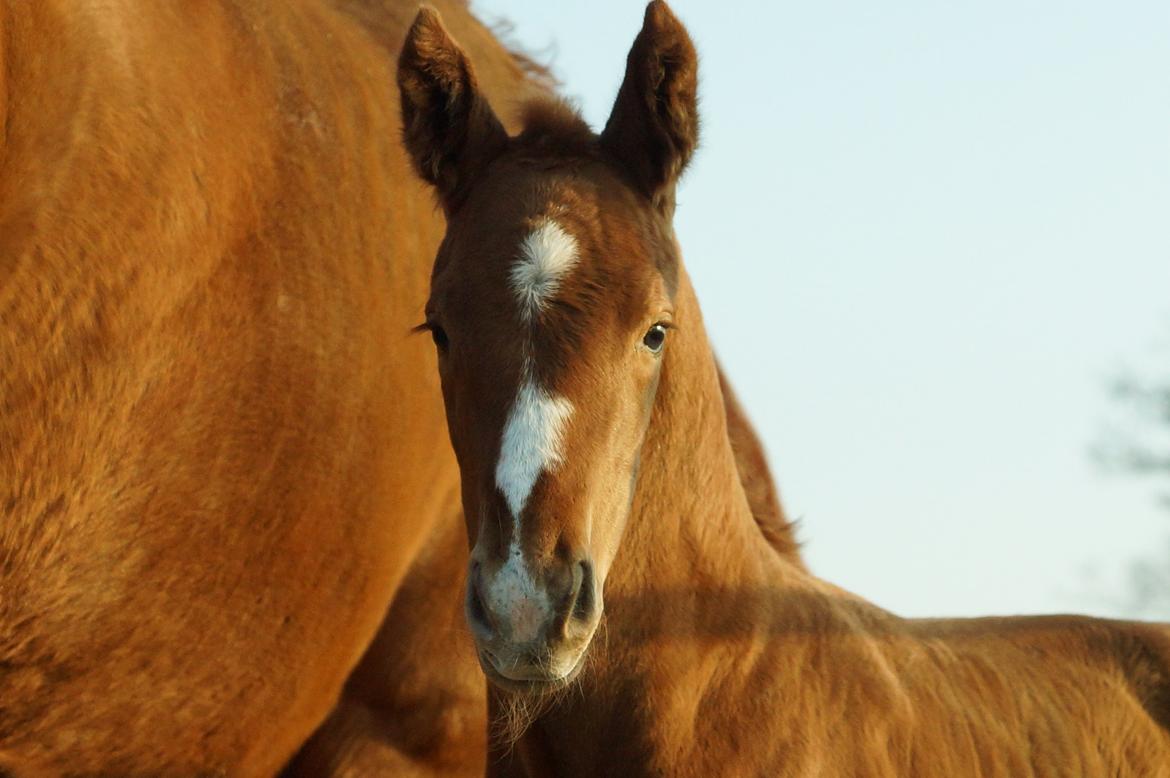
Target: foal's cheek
[(620, 479)]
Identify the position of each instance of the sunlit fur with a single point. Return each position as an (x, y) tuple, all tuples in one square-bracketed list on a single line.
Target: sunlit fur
[(220, 452), (719, 654)]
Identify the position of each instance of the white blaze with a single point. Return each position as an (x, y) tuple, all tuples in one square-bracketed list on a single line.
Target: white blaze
[(531, 442)]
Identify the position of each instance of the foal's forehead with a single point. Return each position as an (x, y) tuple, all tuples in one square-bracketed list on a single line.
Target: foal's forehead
[(541, 227)]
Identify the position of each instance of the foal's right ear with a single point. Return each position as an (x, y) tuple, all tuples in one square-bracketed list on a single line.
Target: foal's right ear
[(448, 127)]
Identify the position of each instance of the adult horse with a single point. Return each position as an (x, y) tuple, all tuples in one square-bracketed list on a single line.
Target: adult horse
[(220, 450), (584, 407)]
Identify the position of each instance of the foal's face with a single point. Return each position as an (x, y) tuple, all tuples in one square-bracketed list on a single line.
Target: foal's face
[(551, 309)]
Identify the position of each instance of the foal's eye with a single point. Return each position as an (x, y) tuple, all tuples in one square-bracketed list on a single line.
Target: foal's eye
[(439, 336), (654, 338)]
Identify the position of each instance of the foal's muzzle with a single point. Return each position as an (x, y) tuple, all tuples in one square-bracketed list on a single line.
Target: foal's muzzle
[(531, 630)]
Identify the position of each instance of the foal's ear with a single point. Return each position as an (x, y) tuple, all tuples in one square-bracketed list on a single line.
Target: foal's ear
[(448, 127), (654, 126)]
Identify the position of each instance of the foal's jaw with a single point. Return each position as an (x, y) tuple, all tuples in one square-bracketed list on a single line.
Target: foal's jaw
[(550, 303)]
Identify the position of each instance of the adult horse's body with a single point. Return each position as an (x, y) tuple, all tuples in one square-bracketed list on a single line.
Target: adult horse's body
[(220, 452), (585, 410)]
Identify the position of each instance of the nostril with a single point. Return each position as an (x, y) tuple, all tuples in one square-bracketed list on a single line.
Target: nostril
[(477, 612), (584, 604)]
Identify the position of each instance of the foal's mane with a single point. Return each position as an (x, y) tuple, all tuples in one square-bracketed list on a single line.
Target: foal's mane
[(553, 126)]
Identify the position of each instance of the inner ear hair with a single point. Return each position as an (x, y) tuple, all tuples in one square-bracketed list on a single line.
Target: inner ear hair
[(448, 128)]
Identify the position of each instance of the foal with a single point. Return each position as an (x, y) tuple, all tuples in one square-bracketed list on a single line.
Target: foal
[(585, 410)]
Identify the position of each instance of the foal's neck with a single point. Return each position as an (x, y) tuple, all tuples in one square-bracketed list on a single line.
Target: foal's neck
[(694, 586), (690, 526)]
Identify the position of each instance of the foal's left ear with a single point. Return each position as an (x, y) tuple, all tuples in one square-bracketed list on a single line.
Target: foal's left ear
[(448, 127), (654, 126)]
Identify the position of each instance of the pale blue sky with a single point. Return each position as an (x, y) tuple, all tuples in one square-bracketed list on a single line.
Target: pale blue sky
[(925, 234)]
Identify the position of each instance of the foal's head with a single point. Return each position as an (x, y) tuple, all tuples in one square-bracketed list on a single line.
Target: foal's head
[(551, 307)]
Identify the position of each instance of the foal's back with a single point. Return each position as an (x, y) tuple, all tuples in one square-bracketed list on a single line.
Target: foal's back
[(1060, 695), (862, 692)]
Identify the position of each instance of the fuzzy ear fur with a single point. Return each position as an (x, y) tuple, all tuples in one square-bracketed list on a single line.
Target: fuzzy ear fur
[(448, 127), (654, 126)]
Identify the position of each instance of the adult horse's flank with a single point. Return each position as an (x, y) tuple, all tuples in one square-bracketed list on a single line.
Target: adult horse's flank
[(584, 406), (220, 449)]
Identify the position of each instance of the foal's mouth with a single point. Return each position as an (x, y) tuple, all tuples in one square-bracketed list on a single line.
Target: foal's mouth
[(530, 680)]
